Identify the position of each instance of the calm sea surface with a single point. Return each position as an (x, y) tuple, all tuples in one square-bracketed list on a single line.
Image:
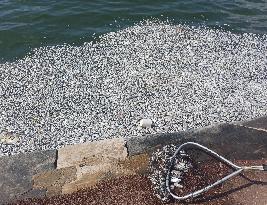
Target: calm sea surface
[(28, 24)]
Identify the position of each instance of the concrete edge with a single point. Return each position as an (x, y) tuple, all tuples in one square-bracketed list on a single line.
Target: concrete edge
[(39, 170)]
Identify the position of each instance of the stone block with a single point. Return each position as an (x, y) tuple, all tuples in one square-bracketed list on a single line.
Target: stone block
[(90, 175), (91, 153), (53, 180), (86, 180), (91, 169)]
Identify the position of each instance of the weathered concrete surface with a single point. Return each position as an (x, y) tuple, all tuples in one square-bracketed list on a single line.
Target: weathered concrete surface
[(232, 141), (83, 165), (103, 151), (259, 123), (17, 171), (247, 189), (137, 164), (53, 180)]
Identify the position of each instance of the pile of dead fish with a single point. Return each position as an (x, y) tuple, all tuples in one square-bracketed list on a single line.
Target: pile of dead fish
[(160, 164), (177, 76)]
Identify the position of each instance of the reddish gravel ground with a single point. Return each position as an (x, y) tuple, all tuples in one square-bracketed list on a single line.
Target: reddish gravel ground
[(247, 189)]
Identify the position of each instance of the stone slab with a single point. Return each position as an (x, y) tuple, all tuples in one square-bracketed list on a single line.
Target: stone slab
[(87, 180), (232, 141), (92, 169), (53, 180), (103, 151), (17, 171), (90, 175)]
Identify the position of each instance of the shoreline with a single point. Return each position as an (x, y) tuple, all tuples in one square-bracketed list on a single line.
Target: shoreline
[(74, 167)]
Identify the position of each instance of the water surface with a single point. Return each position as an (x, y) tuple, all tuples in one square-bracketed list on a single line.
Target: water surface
[(28, 24)]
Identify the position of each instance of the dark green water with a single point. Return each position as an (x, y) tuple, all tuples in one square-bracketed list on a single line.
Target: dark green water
[(28, 24)]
